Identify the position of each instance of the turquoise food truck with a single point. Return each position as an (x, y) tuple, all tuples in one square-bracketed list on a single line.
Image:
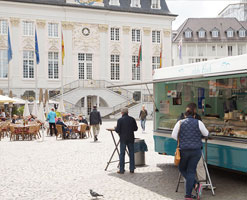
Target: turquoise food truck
[(219, 88)]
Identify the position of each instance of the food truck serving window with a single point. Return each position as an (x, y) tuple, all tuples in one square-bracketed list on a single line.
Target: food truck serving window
[(221, 102)]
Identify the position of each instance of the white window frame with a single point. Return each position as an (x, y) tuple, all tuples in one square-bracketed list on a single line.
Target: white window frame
[(3, 63), (188, 34), (114, 3), (201, 34), (155, 4), (230, 33), (136, 71), (135, 3), (28, 65), (28, 28), (156, 36), (53, 65), (155, 62), (115, 34), (85, 66), (215, 34), (115, 67), (53, 30), (136, 35), (3, 27), (242, 33)]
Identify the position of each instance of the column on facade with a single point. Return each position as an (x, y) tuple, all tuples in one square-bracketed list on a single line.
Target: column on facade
[(126, 68), (104, 52), (98, 101), (147, 54), (166, 46)]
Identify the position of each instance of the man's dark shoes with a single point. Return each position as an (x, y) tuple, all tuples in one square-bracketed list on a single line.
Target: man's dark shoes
[(132, 172), (120, 172), (191, 197)]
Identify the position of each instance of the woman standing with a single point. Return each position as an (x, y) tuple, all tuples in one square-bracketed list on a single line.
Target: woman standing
[(189, 132)]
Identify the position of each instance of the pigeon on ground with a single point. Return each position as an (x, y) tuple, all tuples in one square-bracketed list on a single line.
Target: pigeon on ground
[(95, 194)]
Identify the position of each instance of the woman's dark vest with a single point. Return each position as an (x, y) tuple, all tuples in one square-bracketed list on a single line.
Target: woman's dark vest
[(190, 134)]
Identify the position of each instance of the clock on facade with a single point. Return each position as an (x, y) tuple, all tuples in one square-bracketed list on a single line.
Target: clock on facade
[(85, 31)]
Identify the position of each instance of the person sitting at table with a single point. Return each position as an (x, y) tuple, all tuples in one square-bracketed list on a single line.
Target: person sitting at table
[(64, 127), (82, 120), (14, 119), (2, 115)]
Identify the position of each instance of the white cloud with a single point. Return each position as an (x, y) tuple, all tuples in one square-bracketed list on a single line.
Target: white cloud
[(196, 9)]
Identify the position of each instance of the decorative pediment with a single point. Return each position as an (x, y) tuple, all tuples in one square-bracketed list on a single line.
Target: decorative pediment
[(14, 21), (28, 43), (3, 42), (41, 23), (54, 44), (135, 49), (156, 50)]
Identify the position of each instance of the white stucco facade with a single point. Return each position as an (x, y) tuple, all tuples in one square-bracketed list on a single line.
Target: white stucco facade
[(95, 40)]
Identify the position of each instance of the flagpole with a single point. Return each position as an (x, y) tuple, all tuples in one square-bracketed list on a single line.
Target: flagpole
[(36, 63)]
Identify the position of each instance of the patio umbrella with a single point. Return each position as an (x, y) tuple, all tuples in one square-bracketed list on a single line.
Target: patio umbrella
[(26, 112), (46, 96), (41, 118), (5, 99), (40, 95), (35, 109), (61, 108), (46, 108)]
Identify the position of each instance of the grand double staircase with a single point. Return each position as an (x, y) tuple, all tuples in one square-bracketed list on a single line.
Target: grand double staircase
[(76, 86)]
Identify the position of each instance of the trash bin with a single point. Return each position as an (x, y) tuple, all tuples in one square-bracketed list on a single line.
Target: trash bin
[(140, 148)]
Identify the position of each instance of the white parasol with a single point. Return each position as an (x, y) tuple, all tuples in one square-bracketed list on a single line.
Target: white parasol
[(61, 108), (41, 117), (35, 109), (46, 107), (26, 112), (5, 99)]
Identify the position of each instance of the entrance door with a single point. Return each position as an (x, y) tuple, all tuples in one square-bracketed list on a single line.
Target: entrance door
[(89, 104), (85, 64)]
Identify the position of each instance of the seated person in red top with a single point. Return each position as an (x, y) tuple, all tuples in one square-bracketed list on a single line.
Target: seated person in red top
[(64, 127)]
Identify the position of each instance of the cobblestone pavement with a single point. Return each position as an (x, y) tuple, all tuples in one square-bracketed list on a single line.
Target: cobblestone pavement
[(68, 169)]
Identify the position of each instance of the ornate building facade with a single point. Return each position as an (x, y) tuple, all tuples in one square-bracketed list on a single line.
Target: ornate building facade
[(102, 39)]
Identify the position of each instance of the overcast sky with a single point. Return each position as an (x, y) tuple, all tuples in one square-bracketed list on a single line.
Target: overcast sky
[(196, 8)]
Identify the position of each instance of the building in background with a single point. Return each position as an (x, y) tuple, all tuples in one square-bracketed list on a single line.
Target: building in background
[(202, 39), (102, 40), (237, 10)]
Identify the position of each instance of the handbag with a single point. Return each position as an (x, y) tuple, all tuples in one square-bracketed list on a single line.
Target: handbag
[(177, 157)]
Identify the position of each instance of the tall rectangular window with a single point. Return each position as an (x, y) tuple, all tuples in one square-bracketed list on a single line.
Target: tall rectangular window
[(136, 72), (229, 48), (136, 35), (115, 67), (52, 30), (115, 34), (3, 63), (53, 65), (85, 64), (155, 62), (155, 4), (156, 36), (3, 27), (28, 64), (28, 28)]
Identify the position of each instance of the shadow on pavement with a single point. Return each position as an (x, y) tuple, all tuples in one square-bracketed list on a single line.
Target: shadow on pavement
[(229, 185)]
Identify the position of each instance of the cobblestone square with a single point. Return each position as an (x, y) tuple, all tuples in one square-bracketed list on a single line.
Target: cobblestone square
[(67, 169)]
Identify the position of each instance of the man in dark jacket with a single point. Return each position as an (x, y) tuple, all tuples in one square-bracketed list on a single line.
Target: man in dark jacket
[(126, 126), (95, 122), (64, 127)]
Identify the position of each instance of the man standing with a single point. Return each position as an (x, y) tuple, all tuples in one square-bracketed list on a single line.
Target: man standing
[(143, 116), (95, 122), (126, 126), (51, 118)]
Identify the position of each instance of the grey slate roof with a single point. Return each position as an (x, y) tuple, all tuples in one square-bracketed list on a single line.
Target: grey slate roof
[(222, 24), (124, 6)]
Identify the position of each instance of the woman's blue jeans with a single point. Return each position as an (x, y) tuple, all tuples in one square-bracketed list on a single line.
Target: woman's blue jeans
[(187, 167), (143, 122), (131, 155)]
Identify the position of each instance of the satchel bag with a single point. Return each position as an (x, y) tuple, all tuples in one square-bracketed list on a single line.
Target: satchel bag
[(177, 157)]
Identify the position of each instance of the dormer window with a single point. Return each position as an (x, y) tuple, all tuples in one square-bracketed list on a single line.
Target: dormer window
[(215, 33), (114, 2), (202, 33), (229, 33), (188, 34), (242, 33), (155, 4), (135, 3)]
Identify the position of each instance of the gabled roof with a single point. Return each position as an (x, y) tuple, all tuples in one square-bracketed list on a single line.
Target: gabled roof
[(209, 24), (124, 6)]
